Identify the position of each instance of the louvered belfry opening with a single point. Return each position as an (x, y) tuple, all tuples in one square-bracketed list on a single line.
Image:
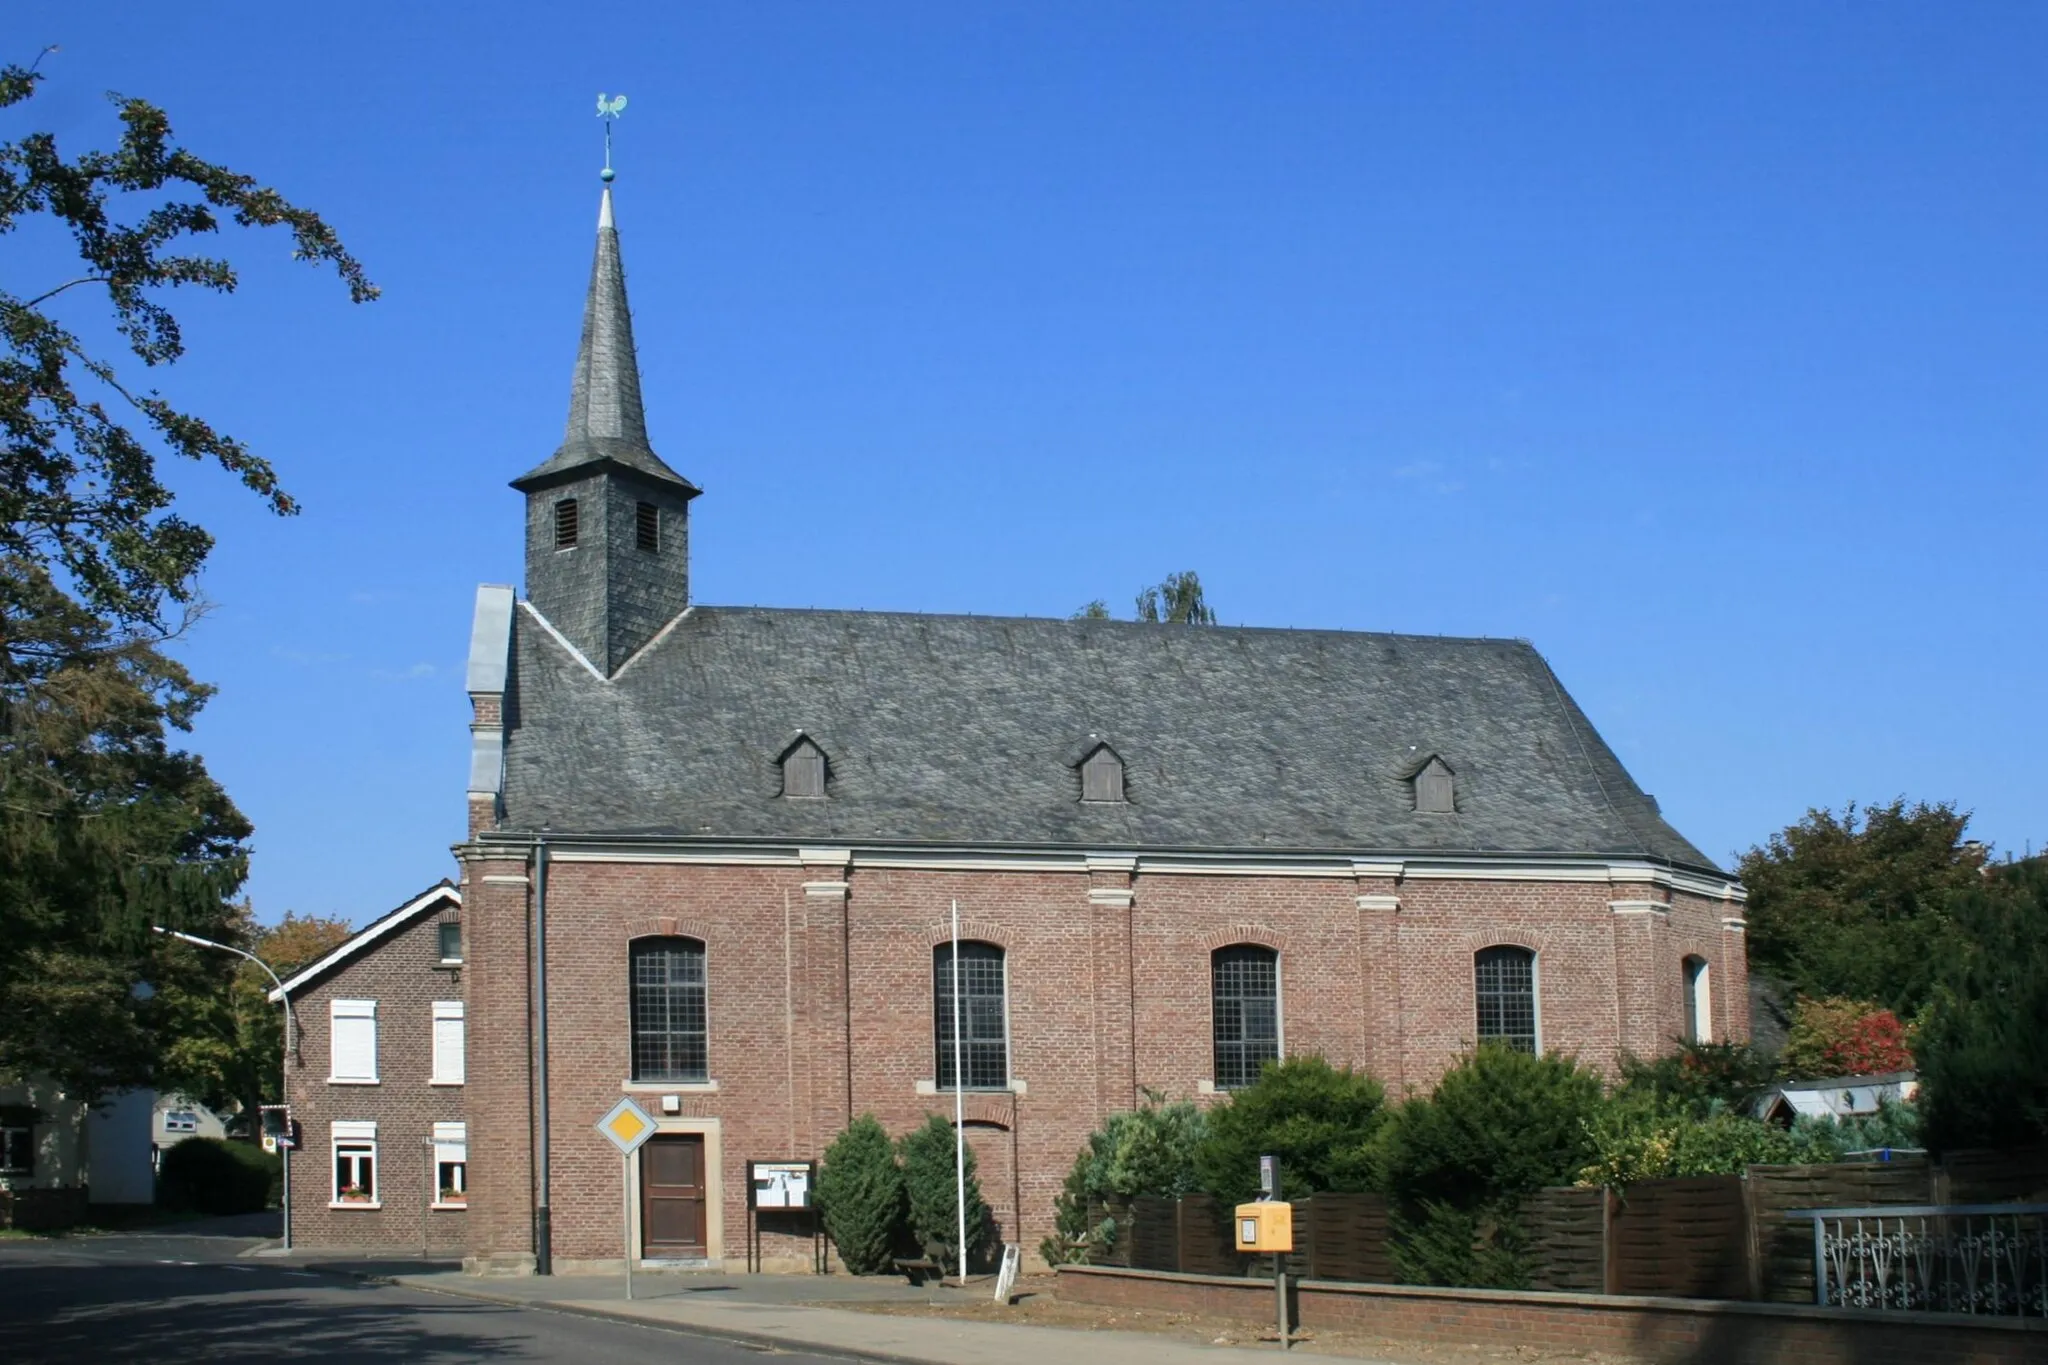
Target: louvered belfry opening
[(1102, 776), (803, 770), (1505, 982), (984, 1011), (647, 527), (566, 526), (1245, 1012), (670, 1034)]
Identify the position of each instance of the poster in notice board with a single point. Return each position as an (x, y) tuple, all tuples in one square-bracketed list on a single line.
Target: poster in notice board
[(779, 1184)]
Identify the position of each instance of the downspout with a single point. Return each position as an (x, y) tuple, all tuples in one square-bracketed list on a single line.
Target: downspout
[(543, 1227)]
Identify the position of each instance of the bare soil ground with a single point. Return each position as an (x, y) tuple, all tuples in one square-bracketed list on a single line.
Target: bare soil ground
[(1036, 1306)]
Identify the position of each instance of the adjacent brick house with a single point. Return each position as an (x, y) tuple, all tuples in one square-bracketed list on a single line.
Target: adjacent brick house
[(714, 851), (377, 1085)]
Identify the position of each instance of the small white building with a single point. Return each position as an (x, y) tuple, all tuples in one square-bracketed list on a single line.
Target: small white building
[(57, 1154), (1839, 1097)]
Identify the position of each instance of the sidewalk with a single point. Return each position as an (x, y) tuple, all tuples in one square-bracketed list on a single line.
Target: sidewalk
[(782, 1311)]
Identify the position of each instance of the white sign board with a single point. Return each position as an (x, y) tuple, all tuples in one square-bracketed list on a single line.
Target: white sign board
[(626, 1125), (1006, 1277), (782, 1184)]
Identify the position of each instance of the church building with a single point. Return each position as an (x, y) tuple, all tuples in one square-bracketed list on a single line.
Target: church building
[(713, 854)]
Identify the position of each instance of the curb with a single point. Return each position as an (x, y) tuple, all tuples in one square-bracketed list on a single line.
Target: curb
[(732, 1335)]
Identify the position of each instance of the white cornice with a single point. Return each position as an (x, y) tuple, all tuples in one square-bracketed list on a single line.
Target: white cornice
[(397, 919)]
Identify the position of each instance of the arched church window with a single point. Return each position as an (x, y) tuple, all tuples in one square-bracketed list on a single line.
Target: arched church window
[(1505, 982), (670, 1021)]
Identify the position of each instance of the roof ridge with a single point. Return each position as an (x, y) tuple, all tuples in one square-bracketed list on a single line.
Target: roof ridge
[(1098, 623)]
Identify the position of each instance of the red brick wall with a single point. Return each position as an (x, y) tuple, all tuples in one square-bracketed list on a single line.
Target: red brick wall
[(1681, 1332), (1109, 995), (402, 973)]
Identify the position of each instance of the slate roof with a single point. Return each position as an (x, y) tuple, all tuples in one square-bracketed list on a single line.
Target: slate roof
[(965, 730)]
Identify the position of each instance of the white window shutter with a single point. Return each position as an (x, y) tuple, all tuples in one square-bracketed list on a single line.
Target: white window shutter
[(355, 1040), (448, 1042)]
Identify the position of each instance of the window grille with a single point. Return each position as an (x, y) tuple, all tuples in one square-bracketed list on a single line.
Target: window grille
[(670, 1032), (984, 1018), (647, 527), (565, 524), (1506, 985), (1245, 1005)]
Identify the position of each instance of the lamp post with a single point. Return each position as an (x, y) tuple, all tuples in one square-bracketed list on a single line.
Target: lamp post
[(291, 1038)]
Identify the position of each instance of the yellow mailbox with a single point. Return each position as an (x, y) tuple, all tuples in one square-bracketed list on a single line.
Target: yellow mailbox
[(1267, 1225)]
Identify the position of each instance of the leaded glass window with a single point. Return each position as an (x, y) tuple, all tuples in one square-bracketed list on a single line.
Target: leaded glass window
[(984, 1015), (1245, 1001), (1506, 986), (669, 1024)]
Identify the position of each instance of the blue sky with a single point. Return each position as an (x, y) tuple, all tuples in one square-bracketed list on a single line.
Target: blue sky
[(1704, 349)]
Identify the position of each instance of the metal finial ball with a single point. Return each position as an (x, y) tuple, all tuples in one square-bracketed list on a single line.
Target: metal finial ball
[(607, 175)]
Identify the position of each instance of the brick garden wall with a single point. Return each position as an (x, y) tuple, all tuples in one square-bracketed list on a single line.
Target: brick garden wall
[(1108, 994), (1668, 1331)]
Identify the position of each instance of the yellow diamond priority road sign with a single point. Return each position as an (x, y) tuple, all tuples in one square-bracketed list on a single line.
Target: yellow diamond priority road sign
[(626, 1126)]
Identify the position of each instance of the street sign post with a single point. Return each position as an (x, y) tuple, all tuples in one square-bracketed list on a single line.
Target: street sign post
[(626, 1126)]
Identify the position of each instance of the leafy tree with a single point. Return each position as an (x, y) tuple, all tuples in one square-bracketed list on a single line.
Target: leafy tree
[(860, 1194), (1983, 1049), (226, 1048), (1320, 1120), (1854, 904), (1836, 1037), (1501, 1124), (929, 1179), (1145, 1151), (105, 827), (1176, 601), (1699, 1079)]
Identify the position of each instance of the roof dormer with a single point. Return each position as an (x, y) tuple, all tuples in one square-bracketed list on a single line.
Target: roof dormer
[(1436, 788), (803, 769), (1102, 774)]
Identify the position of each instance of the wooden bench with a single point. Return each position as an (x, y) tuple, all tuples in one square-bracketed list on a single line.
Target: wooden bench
[(920, 1269)]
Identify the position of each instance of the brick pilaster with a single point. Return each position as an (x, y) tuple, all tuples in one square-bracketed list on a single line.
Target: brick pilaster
[(1378, 900), (496, 891), (1112, 890)]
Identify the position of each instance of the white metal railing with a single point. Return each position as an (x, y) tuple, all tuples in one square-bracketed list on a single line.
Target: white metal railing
[(1986, 1259)]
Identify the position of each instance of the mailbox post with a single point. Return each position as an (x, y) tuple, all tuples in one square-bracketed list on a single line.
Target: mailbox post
[(1267, 1225)]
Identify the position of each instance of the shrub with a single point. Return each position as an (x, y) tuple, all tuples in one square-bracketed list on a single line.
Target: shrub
[(1699, 1079), (1319, 1120), (860, 1194), (1145, 1151), (1501, 1124), (215, 1176), (929, 1180), (1635, 1141), (1837, 1037)]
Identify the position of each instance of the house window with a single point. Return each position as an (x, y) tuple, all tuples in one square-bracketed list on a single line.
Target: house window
[(1102, 776), (355, 1164), (181, 1121), (448, 1040), (451, 1165), (803, 770), (565, 524), (17, 1150), (354, 1060), (647, 527), (1435, 789), (981, 990), (451, 942), (1505, 979), (1244, 1001), (669, 1019), (1699, 1002)]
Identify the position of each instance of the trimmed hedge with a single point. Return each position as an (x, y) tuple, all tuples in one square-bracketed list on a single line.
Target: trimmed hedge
[(215, 1176)]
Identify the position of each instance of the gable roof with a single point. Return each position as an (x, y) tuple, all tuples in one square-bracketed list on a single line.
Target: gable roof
[(960, 730), (433, 900)]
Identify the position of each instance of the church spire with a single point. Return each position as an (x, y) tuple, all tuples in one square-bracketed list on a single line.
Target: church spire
[(607, 423)]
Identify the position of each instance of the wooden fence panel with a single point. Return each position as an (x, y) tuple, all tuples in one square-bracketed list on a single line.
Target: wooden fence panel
[(1996, 1177), (1567, 1232), (1206, 1244), (1346, 1237), (1119, 1252), (1155, 1234), (1784, 1247), (1685, 1238)]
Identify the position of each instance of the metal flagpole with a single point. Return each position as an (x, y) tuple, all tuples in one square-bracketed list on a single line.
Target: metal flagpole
[(959, 1103)]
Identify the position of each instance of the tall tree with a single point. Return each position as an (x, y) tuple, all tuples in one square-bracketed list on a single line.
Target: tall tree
[(1176, 601), (1855, 904), (105, 826)]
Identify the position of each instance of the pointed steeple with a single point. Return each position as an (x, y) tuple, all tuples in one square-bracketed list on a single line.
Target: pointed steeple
[(607, 424)]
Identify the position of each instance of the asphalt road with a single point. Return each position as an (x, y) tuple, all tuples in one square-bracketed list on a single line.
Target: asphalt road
[(168, 1299)]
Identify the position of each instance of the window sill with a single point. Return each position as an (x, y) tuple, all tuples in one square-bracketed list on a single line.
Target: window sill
[(1015, 1087), (451, 962), (447, 1084), (355, 1203), (353, 1080), (438, 1205), (669, 1087)]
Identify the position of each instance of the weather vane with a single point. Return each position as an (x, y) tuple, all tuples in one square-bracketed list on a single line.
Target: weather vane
[(609, 110)]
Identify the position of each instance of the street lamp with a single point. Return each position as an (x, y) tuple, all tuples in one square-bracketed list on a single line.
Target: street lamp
[(285, 1145)]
